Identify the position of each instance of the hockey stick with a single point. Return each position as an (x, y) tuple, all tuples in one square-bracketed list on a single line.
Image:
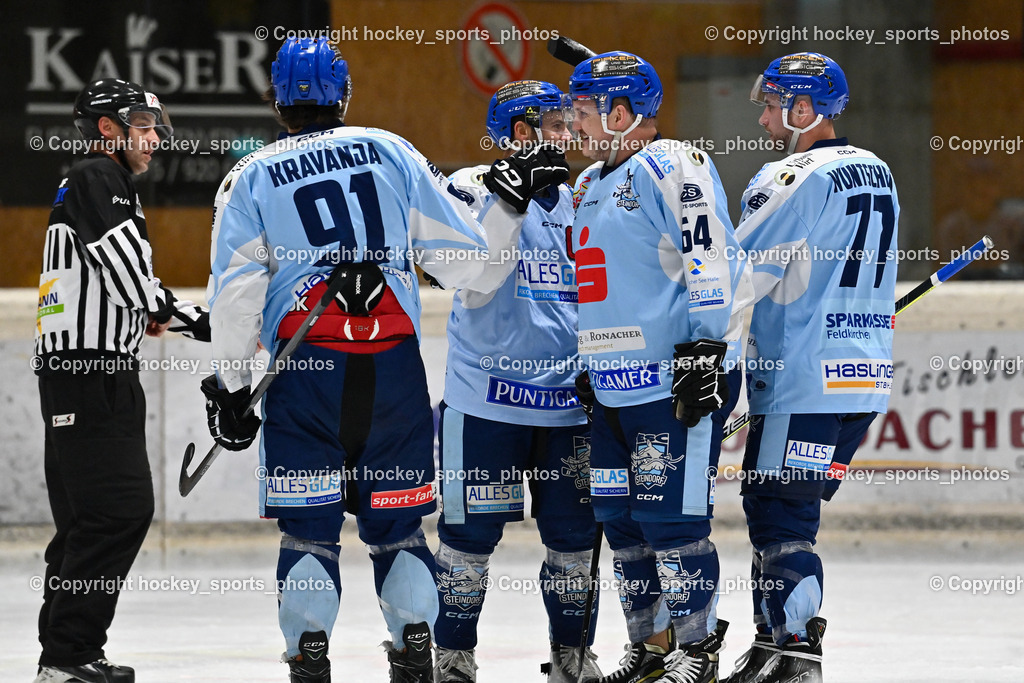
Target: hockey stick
[(588, 618), (931, 282), (186, 481), (568, 50)]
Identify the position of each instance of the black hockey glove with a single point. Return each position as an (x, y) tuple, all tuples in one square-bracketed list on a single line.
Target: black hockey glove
[(586, 395), (191, 320), (226, 418), (362, 288), (699, 384), (518, 177)]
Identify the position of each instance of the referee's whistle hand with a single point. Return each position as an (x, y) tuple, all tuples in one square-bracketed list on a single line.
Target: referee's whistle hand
[(155, 329)]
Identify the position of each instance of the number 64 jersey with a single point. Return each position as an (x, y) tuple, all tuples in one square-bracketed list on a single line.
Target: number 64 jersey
[(657, 264), (819, 228)]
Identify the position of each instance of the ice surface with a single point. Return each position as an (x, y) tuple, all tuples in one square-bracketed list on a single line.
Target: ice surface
[(885, 622)]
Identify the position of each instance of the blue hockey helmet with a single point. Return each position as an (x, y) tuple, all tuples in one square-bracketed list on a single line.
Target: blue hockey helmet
[(805, 73), (606, 76), (529, 99), (310, 71)]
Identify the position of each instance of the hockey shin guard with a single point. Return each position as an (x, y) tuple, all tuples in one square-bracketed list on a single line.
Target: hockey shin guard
[(793, 577), (689, 578), (403, 573), (308, 588), (460, 591), (564, 580)]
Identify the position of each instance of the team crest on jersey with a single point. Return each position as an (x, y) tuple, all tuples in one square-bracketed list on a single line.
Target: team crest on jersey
[(651, 460), (462, 587), (577, 465), (785, 177), (627, 199)]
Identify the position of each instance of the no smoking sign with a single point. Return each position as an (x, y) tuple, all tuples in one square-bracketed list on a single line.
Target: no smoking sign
[(494, 52)]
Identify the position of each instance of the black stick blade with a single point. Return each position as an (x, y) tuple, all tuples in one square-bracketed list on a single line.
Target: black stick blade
[(569, 51)]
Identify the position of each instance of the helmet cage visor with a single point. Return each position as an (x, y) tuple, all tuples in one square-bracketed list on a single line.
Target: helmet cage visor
[(145, 117)]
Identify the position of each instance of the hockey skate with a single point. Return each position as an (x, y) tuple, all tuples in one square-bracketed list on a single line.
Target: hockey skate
[(311, 665), (455, 666), (414, 665), (798, 661), (643, 663), (100, 671), (697, 662), (564, 666), (753, 660)]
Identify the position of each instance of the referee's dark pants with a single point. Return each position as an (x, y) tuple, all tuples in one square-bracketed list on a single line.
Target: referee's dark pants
[(101, 495)]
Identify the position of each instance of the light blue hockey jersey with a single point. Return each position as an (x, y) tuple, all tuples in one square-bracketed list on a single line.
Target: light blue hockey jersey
[(657, 264), (287, 214), (512, 352), (820, 229)]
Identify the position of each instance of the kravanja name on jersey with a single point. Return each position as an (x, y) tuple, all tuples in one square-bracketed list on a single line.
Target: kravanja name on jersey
[(331, 157)]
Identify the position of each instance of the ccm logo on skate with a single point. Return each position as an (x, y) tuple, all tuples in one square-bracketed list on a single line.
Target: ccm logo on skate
[(406, 498)]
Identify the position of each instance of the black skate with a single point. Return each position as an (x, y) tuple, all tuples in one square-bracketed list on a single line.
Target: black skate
[(564, 665), (455, 666), (696, 662), (643, 663), (799, 661), (311, 664), (100, 671), (414, 665), (753, 660)]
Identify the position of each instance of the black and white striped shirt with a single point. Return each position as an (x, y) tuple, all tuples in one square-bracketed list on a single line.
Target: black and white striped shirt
[(97, 288)]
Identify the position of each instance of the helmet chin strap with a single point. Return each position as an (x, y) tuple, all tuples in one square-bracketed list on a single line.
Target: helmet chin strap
[(617, 136), (796, 131)]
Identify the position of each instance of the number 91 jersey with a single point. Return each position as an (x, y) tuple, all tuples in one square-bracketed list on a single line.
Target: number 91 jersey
[(819, 228), (657, 264), (287, 214)]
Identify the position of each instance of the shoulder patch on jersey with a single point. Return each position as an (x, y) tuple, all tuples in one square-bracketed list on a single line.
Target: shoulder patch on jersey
[(696, 157), (785, 177), (757, 201), (691, 193)]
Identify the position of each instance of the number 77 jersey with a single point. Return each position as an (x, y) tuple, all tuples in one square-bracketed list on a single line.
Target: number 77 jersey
[(819, 228)]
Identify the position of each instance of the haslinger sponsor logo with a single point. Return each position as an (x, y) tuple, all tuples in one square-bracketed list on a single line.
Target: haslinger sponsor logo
[(404, 498), (856, 376), (609, 482)]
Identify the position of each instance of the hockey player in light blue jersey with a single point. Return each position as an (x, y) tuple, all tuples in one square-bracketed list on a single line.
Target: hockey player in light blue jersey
[(510, 417), (820, 228), (346, 423), (661, 281)]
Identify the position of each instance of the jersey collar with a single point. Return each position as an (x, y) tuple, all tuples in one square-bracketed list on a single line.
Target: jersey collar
[(834, 142)]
